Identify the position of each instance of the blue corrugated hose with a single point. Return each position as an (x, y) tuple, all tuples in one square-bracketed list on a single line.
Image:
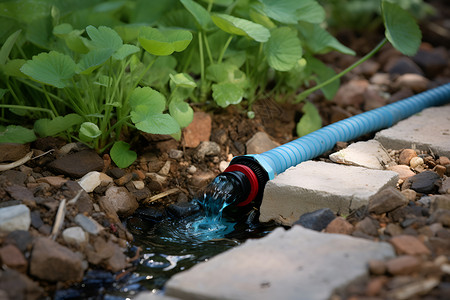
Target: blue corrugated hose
[(279, 159)]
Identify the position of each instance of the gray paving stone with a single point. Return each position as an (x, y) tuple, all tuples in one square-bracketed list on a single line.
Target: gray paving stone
[(295, 264), (429, 129), (313, 185), (370, 154)]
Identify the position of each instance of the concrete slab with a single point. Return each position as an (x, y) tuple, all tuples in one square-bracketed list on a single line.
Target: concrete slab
[(312, 185), (429, 129), (370, 154), (294, 264)]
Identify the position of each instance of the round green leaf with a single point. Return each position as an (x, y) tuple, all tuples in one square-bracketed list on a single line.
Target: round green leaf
[(94, 59), (182, 80), (238, 26), (62, 29), (89, 131), (161, 43), (283, 49), (200, 14), (401, 29), (104, 37), (155, 123), (292, 11), (51, 68), (310, 121), (147, 100), (182, 112), (227, 93), (16, 134), (124, 51), (122, 155)]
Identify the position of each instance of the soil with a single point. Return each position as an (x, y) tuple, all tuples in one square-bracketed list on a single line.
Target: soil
[(231, 129)]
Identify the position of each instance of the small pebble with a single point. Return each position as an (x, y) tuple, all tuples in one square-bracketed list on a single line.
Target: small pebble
[(223, 165), (415, 162), (191, 169), (138, 184), (175, 154)]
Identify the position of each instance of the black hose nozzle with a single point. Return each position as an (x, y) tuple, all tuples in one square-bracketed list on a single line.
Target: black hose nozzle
[(251, 178)]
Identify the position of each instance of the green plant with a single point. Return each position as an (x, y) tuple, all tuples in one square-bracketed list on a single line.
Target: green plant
[(401, 31), (250, 45), (96, 79)]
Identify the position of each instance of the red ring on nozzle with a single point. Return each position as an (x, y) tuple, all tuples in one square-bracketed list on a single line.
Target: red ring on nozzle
[(254, 186)]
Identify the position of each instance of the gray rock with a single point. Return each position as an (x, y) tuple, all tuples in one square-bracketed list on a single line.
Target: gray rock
[(88, 224), (425, 182), (22, 239), (183, 209), (206, 149), (116, 173), (367, 226), (22, 194), (84, 203), (313, 185), (316, 220), (53, 262), (403, 65), (386, 200), (75, 236), (370, 154), (150, 213), (123, 202), (78, 164), (36, 220), (431, 61), (427, 130), (15, 177), (293, 264), (259, 143), (14, 218)]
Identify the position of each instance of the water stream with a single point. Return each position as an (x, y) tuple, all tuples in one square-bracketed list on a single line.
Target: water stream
[(174, 245)]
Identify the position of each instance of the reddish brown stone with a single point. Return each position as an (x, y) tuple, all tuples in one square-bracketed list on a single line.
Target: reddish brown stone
[(377, 267), (11, 256), (375, 285), (351, 93), (406, 155), (407, 244), (443, 160), (403, 265), (53, 262), (339, 225), (198, 131)]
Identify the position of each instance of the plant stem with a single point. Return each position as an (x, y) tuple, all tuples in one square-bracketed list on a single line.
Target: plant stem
[(32, 108), (219, 60), (208, 50), (307, 92)]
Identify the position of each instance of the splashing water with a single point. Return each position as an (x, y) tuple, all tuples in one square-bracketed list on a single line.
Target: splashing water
[(218, 195)]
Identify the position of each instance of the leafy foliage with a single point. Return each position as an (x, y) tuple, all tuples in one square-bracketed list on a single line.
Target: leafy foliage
[(81, 72)]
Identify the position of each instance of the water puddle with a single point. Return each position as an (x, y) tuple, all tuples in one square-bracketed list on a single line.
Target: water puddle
[(174, 245)]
